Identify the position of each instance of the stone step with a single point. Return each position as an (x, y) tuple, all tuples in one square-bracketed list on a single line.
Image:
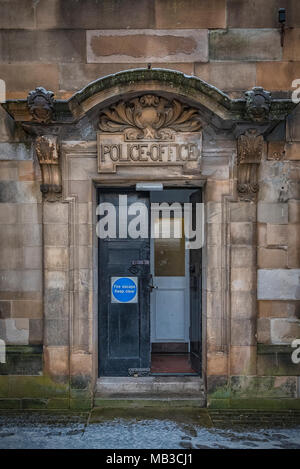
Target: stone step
[(151, 385)]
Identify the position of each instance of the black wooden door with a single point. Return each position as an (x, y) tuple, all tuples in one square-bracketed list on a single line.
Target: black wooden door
[(195, 296), (124, 329)]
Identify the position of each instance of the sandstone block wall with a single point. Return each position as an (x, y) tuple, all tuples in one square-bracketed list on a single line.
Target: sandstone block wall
[(233, 45)]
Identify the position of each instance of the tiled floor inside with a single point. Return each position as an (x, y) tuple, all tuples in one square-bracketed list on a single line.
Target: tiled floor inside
[(170, 363)]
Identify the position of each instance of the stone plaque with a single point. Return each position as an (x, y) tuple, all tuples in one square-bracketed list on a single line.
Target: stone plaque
[(183, 149), (149, 130)]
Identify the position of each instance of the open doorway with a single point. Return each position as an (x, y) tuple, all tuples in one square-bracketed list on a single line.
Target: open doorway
[(175, 300), (149, 288)]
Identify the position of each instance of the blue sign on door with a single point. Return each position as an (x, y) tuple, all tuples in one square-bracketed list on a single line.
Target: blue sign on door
[(124, 289)]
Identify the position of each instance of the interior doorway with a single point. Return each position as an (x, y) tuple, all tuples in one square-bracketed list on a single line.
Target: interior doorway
[(170, 297), (158, 331)]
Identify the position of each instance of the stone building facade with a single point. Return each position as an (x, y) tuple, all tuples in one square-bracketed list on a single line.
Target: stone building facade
[(222, 70)]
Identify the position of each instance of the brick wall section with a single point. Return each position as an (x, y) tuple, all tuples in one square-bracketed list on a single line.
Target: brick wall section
[(233, 44)]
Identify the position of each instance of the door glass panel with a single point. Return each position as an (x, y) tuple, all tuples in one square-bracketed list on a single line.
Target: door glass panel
[(169, 252)]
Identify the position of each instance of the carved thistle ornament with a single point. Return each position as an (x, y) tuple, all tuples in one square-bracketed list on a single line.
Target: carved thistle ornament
[(149, 117), (250, 149), (47, 152)]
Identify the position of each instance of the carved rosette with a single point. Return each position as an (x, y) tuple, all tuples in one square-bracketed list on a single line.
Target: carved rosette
[(41, 104), (48, 155), (250, 149), (149, 117)]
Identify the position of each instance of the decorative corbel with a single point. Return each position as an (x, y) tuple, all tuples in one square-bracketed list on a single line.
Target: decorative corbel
[(250, 149), (258, 104), (41, 105), (48, 155)]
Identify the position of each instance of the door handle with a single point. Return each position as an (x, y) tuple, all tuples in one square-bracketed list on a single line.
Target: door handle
[(150, 285)]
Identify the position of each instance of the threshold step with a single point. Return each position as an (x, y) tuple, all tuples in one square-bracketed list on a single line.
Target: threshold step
[(151, 385)]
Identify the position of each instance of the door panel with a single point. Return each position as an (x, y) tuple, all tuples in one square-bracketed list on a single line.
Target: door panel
[(124, 332), (195, 298)]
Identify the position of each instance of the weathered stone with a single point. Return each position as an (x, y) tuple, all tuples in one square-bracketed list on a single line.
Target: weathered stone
[(9, 170), (243, 256), (81, 364), (24, 19), (56, 361), (42, 46), (271, 258), (294, 211), (85, 235), (227, 76), (30, 213), (261, 234), (215, 190), (56, 235), (243, 212), (292, 149), (214, 256), (82, 190), (63, 14), (263, 331), (35, 331), (214, 234), (190, 14), (213, 278), (56, 258), (56, 332), (216, 363), (242, 233), (276, 362), (276, 76), (32, 257), (291, 42), (284, 331), (12, 191), (21, 78), (293, 125), (5, 309), (161, 45), (26, 171), (212, 327), (55, 212), (243, 360), (8, 213), (243, 331), (276, 213), (15, 331), (75, 76), (15, 151), (27, 308), (15, 280), (294, 245), (245, 44), (243, 305), (255, 14), (243, 279), (11, 257), (277, 235), (276, 151), (215, 167), (278, 284), (56, 280), (32, 235), (279, 309), (214, 305)]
